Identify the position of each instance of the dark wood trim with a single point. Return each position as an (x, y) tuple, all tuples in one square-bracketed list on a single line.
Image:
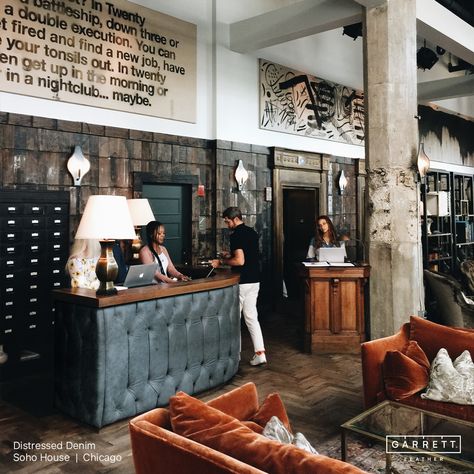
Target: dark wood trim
[(87, 297), (293, 169), (140, 178)]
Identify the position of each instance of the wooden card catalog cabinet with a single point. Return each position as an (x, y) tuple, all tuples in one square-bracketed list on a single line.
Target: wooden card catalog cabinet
[(34, 229), (334, 308)]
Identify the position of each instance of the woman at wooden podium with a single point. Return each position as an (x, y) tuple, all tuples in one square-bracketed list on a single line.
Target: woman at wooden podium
[(324, 236)]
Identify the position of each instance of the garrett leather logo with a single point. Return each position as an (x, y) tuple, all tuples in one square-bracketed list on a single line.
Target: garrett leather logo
[(432, 444)]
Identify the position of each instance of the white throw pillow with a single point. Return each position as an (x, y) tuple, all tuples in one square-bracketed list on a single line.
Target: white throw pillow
[(451, 382), (277, 431)]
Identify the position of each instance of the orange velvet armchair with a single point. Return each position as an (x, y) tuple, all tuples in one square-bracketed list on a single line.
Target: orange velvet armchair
[(430, 337)]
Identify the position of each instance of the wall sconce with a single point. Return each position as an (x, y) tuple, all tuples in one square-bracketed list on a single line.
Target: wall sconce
[(241, 175), (78, 165), (106, 218), (141, 214), (423, 162), (342, 182)]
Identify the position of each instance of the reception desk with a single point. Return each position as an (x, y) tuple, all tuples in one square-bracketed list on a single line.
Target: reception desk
[(117, 356), (334, 308)]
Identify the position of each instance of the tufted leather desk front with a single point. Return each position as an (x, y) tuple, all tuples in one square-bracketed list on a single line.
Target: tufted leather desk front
[(117, 356)]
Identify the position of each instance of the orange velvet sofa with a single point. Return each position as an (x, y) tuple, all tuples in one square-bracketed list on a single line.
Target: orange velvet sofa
[(157, 449), (430, 337)]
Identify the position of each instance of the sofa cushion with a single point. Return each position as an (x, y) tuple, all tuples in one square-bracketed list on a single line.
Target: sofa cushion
[(241, 403), (431, 337), (202, 423), (277, 431), (415, 352), (405, 373), (451, 382), (271, 406), (253, 426)]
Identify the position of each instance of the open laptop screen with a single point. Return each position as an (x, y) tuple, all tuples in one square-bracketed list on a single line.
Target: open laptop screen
[(331, 254), (140, 275)]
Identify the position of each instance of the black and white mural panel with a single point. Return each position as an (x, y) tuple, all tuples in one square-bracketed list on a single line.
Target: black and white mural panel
[(298, 103)]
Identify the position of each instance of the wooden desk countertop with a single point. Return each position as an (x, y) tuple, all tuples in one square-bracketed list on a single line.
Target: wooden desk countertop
[(222, 279), (333, 271)]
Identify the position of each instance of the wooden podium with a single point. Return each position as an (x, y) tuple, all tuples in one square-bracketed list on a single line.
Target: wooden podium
[(334, 308)]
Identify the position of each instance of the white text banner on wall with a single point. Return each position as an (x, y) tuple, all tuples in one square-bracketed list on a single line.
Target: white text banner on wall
[(109, 54)]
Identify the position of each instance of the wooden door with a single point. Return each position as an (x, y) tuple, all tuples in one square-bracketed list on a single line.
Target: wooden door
[(171, 205), (299, 211)]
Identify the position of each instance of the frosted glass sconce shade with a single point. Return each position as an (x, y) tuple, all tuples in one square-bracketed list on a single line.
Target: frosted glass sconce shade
[(106, 218), (78, 165), (241, 175), (342, 182), (423, 162)]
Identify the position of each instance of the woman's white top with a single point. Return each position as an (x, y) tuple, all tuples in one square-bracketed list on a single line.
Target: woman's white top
[(164, 262)]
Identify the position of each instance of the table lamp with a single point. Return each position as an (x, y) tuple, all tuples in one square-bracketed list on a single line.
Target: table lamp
[(141, 213), (106, 218)]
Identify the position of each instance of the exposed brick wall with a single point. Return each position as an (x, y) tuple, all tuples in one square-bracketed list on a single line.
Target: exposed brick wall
[(34, 153)]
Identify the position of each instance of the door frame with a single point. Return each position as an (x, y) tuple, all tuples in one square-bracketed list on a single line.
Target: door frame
[(294, 169), (141, 178)]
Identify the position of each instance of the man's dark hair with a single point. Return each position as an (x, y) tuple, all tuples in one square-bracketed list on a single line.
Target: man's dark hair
[(232, 213)]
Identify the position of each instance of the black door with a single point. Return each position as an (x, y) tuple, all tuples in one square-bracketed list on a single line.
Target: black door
[(299, 212), (171, 205)]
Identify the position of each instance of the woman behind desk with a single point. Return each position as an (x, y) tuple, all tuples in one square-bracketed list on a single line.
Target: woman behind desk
[(325, 236), (155, 252)]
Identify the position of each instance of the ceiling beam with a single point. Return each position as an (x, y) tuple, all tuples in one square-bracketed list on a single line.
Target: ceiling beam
[(439, 26), (450, 88), (371, 3), (298, 20)]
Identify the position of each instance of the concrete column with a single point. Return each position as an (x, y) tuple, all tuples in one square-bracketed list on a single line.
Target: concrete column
[(393, 232)]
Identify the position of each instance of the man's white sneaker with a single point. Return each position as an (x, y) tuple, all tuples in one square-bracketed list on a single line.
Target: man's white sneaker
[(258, 359)]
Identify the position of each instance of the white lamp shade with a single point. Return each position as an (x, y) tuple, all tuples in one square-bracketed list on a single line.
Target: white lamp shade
[(78, 165), (104, 218), (241, 174), (140, 210)]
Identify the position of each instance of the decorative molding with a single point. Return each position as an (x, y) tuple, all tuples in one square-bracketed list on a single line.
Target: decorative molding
[(283, 158)]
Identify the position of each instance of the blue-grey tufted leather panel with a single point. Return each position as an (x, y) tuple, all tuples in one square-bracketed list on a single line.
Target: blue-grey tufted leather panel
[(116, 362)]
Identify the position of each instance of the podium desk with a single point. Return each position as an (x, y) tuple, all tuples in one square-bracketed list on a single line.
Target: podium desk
[(334, 301)]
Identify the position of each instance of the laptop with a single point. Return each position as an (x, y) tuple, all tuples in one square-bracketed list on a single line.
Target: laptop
[(140, 275), (331, 254)]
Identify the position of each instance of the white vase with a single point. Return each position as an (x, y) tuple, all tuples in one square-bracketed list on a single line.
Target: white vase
[(3, 355)]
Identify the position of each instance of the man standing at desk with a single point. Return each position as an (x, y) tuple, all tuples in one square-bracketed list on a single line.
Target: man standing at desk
[(244, 258)]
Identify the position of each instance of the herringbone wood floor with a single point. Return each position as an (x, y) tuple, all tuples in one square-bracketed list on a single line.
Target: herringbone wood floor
[(319, 392)]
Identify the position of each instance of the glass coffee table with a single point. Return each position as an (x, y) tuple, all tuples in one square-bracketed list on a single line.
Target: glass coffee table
[(407, 430)]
